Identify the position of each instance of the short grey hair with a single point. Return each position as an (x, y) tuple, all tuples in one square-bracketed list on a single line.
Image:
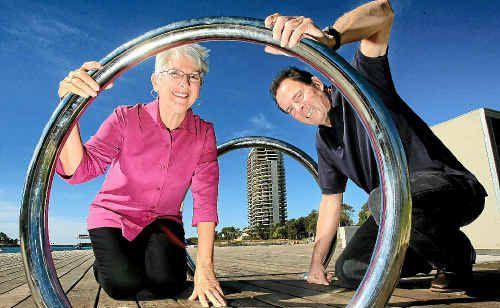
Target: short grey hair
[(195, 51)]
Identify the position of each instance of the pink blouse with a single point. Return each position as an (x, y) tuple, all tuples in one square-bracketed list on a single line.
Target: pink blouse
[(151, 169)]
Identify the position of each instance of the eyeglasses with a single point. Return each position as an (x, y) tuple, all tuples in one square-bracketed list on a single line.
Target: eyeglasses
[(176, 74)]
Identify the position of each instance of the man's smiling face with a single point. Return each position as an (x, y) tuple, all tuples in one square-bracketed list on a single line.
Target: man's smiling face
[(308, 104)]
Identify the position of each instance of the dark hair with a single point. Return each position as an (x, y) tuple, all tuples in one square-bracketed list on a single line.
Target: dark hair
[(292, 73)]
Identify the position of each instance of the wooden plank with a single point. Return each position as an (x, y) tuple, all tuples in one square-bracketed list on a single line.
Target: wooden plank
[(295, 284), (269, 296), (9, 261), (18, 271), (107, 301), (67, 281), (22, 292), (13, 271), (324, 297), (147, 300), (234, 298), (182, 298), (20, 278), (400, 296), (12, 268), (84, 293), (247, 270), (239, 298), (426, 294), (158, 303), (15, 296)]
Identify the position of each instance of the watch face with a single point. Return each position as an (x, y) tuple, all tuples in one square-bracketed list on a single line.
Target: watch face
[(330, 31)]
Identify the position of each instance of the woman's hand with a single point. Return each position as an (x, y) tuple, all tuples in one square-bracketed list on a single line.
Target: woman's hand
[(206, 287), (80, 83)]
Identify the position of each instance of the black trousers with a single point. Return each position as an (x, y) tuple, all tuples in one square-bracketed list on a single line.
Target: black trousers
[(442, 204), (154, 261)]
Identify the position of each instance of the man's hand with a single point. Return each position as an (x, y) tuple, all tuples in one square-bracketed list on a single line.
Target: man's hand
[(207, 288), (330, 208), (289, 30), (317, 275)]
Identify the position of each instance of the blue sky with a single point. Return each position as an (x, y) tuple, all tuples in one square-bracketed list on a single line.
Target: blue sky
[(443, 54)]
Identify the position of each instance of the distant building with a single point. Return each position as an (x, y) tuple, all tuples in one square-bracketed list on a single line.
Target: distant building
[(83, 241), (474, 138), (266, 187)]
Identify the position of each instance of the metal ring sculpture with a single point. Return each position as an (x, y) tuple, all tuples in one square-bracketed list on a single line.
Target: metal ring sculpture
[(393, 235)]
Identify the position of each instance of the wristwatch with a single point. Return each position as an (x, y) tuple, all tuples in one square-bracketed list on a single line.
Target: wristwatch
[(336, 35)]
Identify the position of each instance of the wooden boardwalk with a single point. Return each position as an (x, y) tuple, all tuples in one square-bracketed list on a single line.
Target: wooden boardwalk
[(251, 276)]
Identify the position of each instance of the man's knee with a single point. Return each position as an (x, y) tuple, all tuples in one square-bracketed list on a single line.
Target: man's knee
[(349, 272), (474, 209), (353, 261)]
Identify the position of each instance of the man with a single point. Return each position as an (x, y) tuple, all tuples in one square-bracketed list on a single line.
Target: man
[(445, 195)]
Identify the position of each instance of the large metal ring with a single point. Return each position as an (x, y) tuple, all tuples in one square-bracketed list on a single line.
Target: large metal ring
[(393, 235)]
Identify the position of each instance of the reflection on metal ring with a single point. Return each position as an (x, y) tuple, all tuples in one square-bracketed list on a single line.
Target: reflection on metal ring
[(393, 235)]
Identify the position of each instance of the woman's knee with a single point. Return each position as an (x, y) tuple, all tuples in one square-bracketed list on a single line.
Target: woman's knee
[(167, 283), (173, 276), (121, 284)]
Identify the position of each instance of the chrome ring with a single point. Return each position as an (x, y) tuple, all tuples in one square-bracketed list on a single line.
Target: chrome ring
[(393, 235)]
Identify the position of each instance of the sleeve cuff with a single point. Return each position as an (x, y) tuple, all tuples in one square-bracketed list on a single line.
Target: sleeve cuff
[(70, 179), (329, 191), (197, 220), (365, 58)]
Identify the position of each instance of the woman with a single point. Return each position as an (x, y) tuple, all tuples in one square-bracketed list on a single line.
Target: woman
[(155, 152)]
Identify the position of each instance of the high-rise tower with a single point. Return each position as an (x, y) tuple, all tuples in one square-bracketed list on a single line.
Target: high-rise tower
[(266, 187)]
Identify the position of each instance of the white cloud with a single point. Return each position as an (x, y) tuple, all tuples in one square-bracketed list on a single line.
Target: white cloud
[(260, 121), (258, 125)]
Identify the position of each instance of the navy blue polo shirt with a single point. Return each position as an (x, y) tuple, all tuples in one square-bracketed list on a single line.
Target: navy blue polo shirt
[(345, 152)]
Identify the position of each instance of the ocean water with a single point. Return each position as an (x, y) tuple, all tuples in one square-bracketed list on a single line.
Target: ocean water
[(54, 248)]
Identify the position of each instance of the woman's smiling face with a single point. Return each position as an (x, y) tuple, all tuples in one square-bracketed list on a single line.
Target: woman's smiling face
[(178, 83)]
